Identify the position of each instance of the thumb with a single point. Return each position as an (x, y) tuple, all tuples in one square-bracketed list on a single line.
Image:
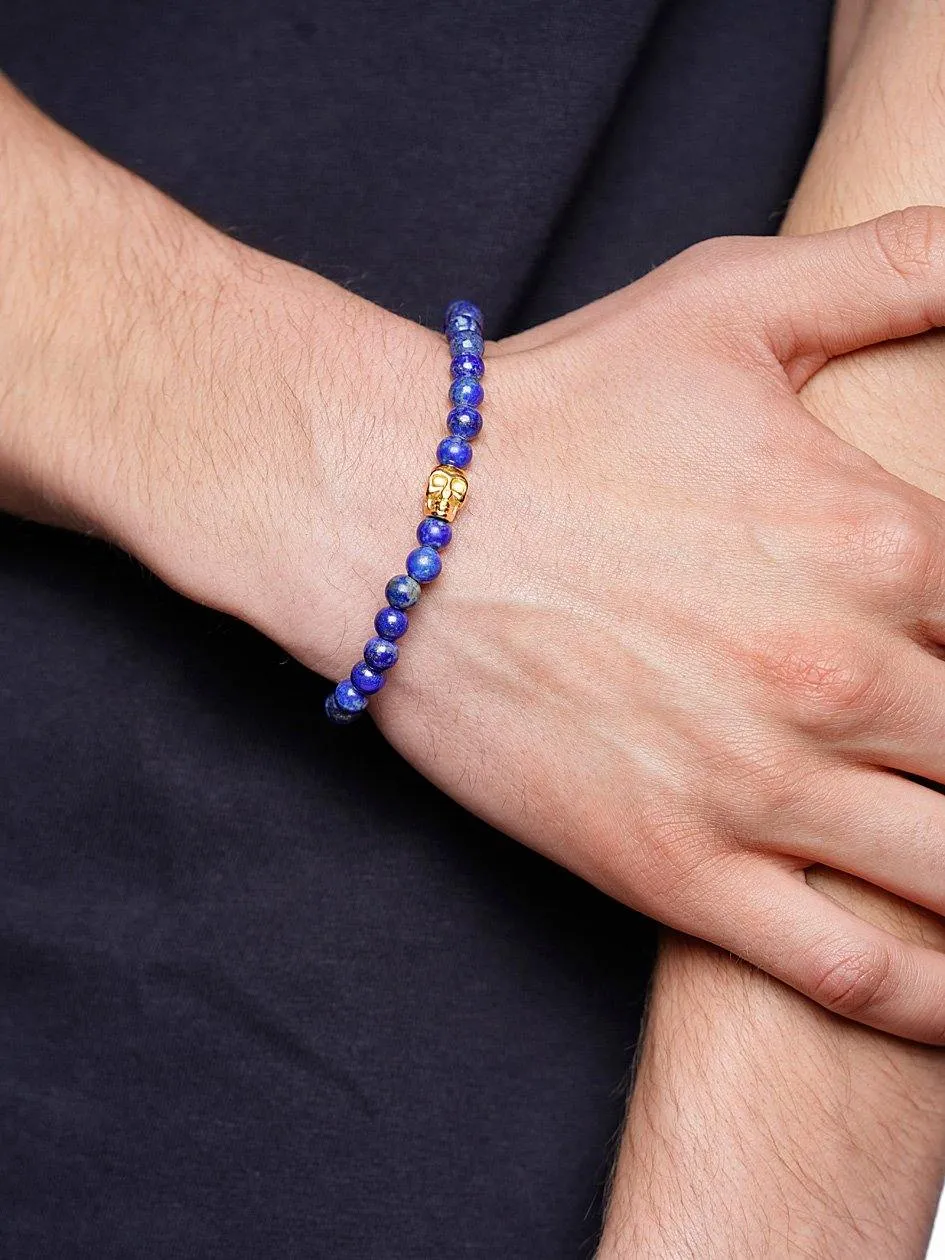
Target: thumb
[(824, 295)]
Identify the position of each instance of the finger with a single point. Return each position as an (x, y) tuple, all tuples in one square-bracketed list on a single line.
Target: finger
[(906, 730), (815, 297), (824, 295), (770, 917), (878, 826)]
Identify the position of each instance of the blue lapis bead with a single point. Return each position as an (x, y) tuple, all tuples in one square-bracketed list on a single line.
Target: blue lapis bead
[(348, 698), (467, 365), (432, 532), (402, 591), (366, 679), (464, 422), (467, 343), (463, 327), (380, 653), (455, 451), (391, 623), (462, 307), (424, 564), (466, 392), (334, 712), (456, 325)]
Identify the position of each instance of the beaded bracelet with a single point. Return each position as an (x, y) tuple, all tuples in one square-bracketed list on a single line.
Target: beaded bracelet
[(446, 491)]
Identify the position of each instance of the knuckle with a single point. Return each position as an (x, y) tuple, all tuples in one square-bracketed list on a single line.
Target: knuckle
[(907, 239), (755, 778), (712, 253), (853, 981), (719, 265), (826, 681), (678, 852), (705, 285), (701, 268), (892, 544)]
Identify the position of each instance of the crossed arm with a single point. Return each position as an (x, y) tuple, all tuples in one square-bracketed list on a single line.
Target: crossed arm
[(761, 1126)]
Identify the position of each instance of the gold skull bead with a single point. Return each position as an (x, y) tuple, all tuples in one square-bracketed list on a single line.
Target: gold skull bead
[(446, 491)]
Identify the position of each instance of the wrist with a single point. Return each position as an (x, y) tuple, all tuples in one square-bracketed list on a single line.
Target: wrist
[(313, 435)]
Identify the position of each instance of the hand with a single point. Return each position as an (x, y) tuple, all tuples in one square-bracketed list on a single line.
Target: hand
[(687, 639)]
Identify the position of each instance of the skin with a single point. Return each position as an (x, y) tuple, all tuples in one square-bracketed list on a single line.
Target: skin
[(760, 1125), (672, 577)]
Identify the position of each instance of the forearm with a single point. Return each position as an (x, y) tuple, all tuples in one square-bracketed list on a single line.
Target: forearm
[(881, 143), (882, 147), (172, 390), (760, 1126), (101, 277)]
